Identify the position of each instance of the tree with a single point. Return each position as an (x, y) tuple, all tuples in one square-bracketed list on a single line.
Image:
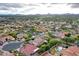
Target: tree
[(53, 43), (14, 34), (33, 29), (77, 42), (28, 37), (49, 44), (43, 48), (50, 34), (69, 39), (68, 35), (76, 37), (29, 34), (25, 36)]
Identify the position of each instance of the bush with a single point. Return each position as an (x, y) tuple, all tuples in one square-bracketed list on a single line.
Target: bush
[(51, 42), (69, 39)]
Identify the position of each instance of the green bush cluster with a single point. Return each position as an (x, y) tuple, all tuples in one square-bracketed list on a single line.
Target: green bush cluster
[(49, 44), (69, 39)]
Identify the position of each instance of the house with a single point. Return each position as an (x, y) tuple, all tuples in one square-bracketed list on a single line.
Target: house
[(2, 39), (38, 41), (56, 50), (41, 28), (53, 51), (28, 49), (68, 26), (71, 51), (36, 54), (65, 33), (46, 53), (59, 34), (6, 53), (6, 37), (59, 48), (1, 52), (20, 35), (1, 43)]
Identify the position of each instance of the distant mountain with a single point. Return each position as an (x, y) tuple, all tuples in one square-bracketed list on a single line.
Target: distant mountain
[(36, 14)]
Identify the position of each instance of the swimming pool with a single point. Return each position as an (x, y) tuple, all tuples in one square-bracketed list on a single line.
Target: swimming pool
[(11, 46)]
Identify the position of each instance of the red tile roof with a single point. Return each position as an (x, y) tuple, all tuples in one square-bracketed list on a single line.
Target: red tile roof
[(71, 51), (28, 49)]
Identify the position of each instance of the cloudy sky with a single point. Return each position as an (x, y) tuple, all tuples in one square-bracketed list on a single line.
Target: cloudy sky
[(37, 7)]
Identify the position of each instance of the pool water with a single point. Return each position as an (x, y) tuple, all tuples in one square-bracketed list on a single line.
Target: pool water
[(12, 46)]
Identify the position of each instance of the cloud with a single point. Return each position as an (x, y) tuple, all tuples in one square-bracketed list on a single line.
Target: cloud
[(4, 8), (74, 5), (15, 5), (16, 8), (32, 4), (10, 6), (39, 8)]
